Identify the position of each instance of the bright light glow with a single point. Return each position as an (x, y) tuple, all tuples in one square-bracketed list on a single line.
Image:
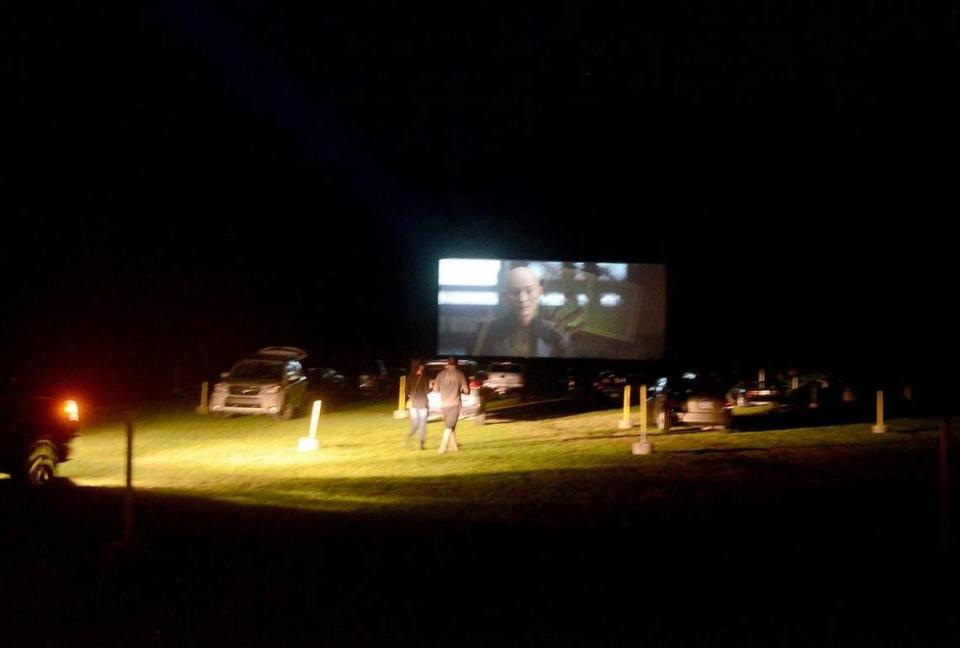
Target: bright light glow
[(306, 443), (468, 298), (72, 410), (553, 299), (689, 376), (469, 272), (610, 299), (582, 300)]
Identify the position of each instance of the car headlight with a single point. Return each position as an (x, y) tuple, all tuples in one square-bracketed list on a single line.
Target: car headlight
[(270, 389), (220, 388)]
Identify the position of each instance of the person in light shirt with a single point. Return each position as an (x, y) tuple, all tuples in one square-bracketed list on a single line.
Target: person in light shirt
[(452, 384)]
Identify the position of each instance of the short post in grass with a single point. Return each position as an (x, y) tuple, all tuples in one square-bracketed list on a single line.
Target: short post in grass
[(401, 411), (945, 488), (202, 407), (625, 423), (879, 428), (310, 442), (128, 492), (643, 447)]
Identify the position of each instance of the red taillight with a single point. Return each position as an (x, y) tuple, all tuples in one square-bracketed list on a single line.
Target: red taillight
[(475, 384), (71, 410)]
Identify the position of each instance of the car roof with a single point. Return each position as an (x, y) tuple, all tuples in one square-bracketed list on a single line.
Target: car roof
[(281, 353)]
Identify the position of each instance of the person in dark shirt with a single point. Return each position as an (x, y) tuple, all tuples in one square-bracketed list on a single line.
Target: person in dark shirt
[(417, 389)]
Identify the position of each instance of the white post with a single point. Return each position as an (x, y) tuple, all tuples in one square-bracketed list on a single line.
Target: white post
[(310, 442), (643, 447)]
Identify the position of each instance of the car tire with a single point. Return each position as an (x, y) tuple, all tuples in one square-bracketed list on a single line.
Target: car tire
[(40, 465), (287, 413)]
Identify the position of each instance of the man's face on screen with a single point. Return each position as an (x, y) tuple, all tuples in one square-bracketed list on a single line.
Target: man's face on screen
[(522, 294)]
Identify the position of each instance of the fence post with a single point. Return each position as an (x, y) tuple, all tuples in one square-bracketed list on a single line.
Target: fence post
[(202, 408), (625, 423), (643, 447), (310, 442), (879, 428), (401, 411), (128, 492)]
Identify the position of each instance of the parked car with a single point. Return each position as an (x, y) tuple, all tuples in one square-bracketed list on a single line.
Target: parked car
[(471, 404), (376, 379), (271, 382), (749, 398), (690, 399), (326, 380), (35, 432), (608, 385), (504, 378)]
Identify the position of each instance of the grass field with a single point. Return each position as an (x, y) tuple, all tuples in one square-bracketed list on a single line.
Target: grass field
[(539, 532), (363, 462)]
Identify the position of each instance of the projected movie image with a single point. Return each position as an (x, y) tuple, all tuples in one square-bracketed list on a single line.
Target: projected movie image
[(551, 309)]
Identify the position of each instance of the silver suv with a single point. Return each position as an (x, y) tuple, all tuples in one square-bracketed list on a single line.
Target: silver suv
[(271, 382)]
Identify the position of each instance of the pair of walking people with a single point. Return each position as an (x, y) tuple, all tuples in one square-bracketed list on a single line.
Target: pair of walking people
[(451, 384)]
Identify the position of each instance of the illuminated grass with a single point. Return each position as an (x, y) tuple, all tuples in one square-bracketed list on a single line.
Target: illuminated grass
[(363, 463)]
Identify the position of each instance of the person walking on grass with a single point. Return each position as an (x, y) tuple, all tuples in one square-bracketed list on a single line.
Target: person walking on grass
[(417, 388), (451, 383)]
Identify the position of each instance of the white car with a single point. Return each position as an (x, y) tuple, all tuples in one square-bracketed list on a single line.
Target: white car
[(505, 378), (271, 382), (470, 403)]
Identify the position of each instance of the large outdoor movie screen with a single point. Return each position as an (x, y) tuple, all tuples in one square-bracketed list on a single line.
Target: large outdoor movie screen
[(551, 309)]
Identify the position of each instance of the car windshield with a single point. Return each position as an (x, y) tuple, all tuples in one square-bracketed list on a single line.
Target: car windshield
[(699, 385), (505, 367), (258, 370)]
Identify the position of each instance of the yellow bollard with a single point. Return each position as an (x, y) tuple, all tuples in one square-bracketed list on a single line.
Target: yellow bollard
[(401, 411), (202, 407), (879, 428), (625, 424), (643, 447), (310, 442), (643, 412)]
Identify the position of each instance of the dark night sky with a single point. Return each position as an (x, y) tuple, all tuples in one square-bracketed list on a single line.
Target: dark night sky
[(185, 181)]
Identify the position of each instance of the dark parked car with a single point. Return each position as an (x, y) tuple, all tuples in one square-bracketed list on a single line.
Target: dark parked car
[(690, 399), (35, 433), (608, 385), (376, 379), (749, 398), (326, 380)]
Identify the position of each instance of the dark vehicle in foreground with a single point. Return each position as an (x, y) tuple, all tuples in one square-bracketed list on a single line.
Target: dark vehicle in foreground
[(35, 433), (692, 399), (270, 382)]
